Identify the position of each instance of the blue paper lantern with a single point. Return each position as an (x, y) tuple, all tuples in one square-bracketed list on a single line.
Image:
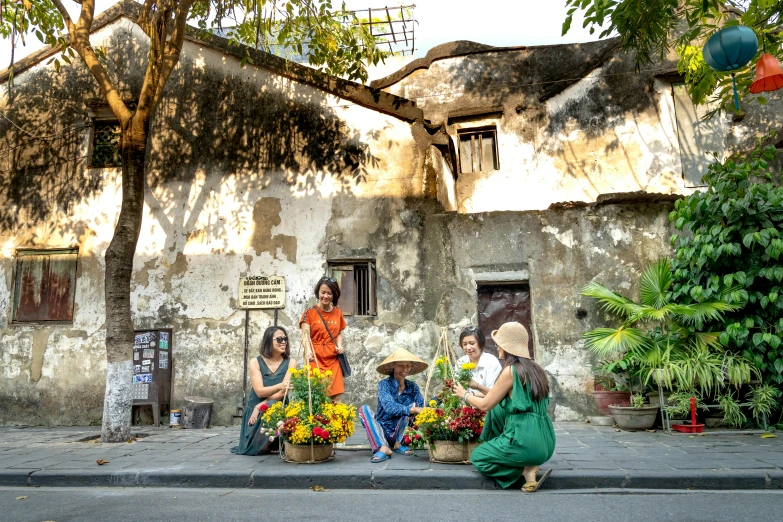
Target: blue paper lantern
[(729, 49)]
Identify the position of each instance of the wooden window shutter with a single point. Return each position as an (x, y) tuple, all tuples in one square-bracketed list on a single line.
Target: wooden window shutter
[(345, 279), (45, 286)]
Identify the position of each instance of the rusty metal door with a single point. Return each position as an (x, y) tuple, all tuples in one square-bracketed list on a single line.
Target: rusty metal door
[(501, 303)]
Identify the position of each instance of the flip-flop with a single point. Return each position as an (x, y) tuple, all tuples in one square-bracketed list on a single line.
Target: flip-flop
[(379, 456), (532, 487), (403, 450)]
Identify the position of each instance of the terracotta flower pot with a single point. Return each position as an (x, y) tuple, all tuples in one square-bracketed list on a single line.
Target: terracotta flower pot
[(630, 418), (604, 398)]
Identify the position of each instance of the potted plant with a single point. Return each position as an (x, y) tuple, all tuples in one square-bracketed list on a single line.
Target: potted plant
[(448, 428), (634, 416), (607, 387), (660, 341), (309, 423)]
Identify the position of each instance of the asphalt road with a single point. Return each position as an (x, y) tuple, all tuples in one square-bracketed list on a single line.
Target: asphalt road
[(143, 504)]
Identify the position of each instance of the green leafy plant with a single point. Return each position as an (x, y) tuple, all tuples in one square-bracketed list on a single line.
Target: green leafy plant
[(679, 403), (652, 29), (638, 400), (732, 412), (662, 341), (762, 400), (731, 249)]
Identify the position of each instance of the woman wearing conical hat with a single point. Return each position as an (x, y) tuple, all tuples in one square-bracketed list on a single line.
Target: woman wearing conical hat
[(398, 400), (518, 434)]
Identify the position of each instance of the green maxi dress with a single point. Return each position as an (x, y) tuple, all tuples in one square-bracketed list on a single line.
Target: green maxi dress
[(251, 440), (517, 433)]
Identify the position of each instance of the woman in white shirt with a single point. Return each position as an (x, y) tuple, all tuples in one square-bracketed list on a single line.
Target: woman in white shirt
[(488, 367)]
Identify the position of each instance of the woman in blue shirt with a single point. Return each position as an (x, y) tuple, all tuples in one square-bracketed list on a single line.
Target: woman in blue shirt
[(398, 399)]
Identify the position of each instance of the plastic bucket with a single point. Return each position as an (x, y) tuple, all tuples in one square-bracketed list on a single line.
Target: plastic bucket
[(175, 418)]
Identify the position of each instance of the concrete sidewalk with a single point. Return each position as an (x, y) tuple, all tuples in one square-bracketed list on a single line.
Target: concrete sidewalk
[(586, 457)]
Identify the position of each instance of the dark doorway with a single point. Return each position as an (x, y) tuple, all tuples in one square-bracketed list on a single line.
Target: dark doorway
[(502, 303)]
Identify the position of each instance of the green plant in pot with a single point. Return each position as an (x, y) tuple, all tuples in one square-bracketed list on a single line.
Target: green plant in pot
[(610, 386), (660, 342)]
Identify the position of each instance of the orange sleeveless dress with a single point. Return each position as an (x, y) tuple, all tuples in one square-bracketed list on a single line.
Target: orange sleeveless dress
[(325, 349)]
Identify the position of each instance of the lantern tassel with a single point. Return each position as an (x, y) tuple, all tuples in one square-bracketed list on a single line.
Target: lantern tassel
[(736, 96)]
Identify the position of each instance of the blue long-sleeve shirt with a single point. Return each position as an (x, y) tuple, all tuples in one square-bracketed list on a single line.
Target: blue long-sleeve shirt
[(393, 405)]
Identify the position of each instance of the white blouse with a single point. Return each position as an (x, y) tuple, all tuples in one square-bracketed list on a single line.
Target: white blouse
[(487, 370)]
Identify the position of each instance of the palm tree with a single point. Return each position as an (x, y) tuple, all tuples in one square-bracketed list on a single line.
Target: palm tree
[(661, 341)]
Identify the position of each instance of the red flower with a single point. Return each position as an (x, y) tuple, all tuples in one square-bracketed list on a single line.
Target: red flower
[(263, 407), (417, 437), (407, 439)]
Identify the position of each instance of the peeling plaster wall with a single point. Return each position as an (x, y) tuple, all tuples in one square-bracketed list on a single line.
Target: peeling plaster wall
[(612, 131), (244, 171), (562, 251), (252, 174)]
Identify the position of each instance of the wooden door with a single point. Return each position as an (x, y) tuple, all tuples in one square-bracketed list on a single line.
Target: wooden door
[(502, 303)]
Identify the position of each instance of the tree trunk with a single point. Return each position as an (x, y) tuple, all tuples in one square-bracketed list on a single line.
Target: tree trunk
[(118, 398)]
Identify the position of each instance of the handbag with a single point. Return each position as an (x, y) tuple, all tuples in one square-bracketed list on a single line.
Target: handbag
[(341, 358)]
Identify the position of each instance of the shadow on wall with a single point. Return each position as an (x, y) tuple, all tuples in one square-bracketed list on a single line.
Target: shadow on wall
[(208, 122)]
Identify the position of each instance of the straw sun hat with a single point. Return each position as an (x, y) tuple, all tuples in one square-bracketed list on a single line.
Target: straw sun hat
[(512, 337), (401, 355)]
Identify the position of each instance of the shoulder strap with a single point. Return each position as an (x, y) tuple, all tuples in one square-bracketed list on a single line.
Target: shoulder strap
[(325, 325)]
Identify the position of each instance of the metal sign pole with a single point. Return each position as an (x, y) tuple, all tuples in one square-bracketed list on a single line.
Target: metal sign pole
[(244, 375)]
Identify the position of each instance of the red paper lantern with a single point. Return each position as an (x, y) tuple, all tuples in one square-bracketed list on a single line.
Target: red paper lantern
[(769, 75)]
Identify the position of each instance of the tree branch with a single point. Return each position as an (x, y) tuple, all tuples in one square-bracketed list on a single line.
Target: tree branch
[(66, 17), (79, 35)]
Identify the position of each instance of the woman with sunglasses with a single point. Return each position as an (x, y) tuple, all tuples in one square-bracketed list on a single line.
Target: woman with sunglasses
[(487, 367), (269, 378), (322, 346)]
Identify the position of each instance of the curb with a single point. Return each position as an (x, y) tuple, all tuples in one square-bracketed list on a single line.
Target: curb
[(305, 477)]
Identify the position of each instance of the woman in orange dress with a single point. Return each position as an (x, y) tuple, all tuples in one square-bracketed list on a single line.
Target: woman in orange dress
[(321, 351)]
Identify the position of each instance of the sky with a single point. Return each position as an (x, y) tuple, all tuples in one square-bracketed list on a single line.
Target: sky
[(492, 22)]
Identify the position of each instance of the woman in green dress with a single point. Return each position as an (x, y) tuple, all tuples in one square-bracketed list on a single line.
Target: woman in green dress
[(518, 434), (269, 378)]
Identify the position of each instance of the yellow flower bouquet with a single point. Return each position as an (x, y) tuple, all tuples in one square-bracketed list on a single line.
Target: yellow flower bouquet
[(294, 422)]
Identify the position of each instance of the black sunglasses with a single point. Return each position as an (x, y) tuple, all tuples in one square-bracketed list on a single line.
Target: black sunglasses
[(332, 279), (281, 340)]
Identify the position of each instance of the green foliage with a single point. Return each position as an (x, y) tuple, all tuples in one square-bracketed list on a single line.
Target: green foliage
[(732, 412), (637, 400), (662, 341), (331, 38), (679, 403), (651, 29), (762, 400), (731, 250)]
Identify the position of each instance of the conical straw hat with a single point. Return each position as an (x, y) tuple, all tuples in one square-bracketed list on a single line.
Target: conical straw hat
[(401, 355)]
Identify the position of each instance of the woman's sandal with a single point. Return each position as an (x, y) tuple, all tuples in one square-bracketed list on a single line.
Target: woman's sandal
[(404, 450), (531, 487), (379, 456)]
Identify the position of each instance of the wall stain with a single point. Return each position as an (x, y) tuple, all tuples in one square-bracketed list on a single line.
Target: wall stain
[(266, 215), (40, 339)]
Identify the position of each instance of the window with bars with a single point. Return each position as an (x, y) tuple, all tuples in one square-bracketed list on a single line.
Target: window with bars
[(45, 285), (357, 281), (106, 144), (478, 151)]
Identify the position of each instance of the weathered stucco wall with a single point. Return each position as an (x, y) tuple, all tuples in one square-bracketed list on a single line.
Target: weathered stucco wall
[(573, 121), (244, 169), (251, 173)]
